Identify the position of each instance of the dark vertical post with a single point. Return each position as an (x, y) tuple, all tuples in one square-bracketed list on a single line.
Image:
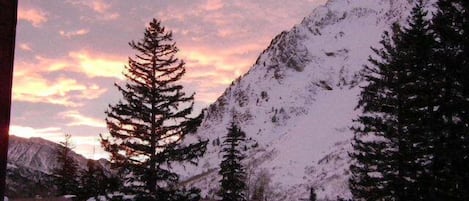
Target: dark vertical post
[(8, 14)]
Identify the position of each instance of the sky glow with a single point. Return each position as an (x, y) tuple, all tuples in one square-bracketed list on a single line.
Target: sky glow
[(70, 53)]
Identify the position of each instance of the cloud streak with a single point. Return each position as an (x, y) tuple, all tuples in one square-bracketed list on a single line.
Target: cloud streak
[(61, 91), (99, 6), (78, 119), (27, 132), (25, 47), (34, 16), (71, 52), (71, 34)]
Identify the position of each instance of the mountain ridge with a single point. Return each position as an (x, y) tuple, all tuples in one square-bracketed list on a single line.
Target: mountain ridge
[(30, 165), (298, 100)]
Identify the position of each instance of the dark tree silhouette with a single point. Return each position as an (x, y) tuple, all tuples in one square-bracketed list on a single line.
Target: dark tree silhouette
[(66, 174), (149, 126), (393, 144), (93, 181), (451, 161), (312, 194), (8, 18), (233, 182)]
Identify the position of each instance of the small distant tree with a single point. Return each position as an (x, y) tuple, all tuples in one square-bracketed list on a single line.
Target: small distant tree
[(233, 182), (93, 181), (312, 194), (66, 173), (260, 186)]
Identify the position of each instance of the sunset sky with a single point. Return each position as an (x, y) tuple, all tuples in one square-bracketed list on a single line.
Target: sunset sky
[(69, 53)]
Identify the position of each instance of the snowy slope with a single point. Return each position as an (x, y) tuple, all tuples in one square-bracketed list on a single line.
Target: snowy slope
[(30, 164), (297, 102)]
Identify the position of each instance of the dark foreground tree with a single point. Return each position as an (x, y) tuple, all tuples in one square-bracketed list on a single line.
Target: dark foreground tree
[(393, 142), (66, 174), (233, 182), (148, 127), (8, 19), (451, 161)]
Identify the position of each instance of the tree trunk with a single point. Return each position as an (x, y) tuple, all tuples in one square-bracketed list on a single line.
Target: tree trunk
[(8, 13)]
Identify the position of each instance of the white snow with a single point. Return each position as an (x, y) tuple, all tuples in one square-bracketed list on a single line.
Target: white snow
[(297, 102)]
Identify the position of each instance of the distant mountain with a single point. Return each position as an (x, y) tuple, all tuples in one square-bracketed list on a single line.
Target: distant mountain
[(297, 103), (30, 164)]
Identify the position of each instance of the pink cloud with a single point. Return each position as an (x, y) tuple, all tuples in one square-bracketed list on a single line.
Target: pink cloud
[(35, 16), (70, 34), (98, 6), (25, 47), (211, 5), (78, 119)]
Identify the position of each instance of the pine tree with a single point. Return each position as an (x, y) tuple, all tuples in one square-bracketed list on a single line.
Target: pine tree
[(93, 181), (393, 142), (66, 174), (451, 161), (233, 184), (148, 127)]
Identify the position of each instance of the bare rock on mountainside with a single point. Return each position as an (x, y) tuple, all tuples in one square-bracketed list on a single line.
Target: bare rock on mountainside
[(297, 103)]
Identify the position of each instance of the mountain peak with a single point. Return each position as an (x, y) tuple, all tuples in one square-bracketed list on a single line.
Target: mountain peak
[(297, 102)]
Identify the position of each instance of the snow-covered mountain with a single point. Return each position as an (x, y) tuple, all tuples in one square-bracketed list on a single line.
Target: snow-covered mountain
[(30, 164), (297, 102)]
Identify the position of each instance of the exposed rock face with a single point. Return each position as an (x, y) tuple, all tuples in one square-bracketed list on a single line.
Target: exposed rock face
[(298, 100), (296, 104)]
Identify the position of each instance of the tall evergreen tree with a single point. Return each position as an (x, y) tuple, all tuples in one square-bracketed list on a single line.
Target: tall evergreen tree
[(451, 161), (393, 142), (148, 127), (66, 174), (233, 182)]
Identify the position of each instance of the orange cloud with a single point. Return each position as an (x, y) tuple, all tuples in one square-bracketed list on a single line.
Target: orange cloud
[(84, 62), (34, 16), (30, 85), (78, 119), (62, 91), (70, 34), (94, 65)]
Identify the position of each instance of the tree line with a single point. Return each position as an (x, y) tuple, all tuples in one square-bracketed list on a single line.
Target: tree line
[(147, 134), (410, 141)]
